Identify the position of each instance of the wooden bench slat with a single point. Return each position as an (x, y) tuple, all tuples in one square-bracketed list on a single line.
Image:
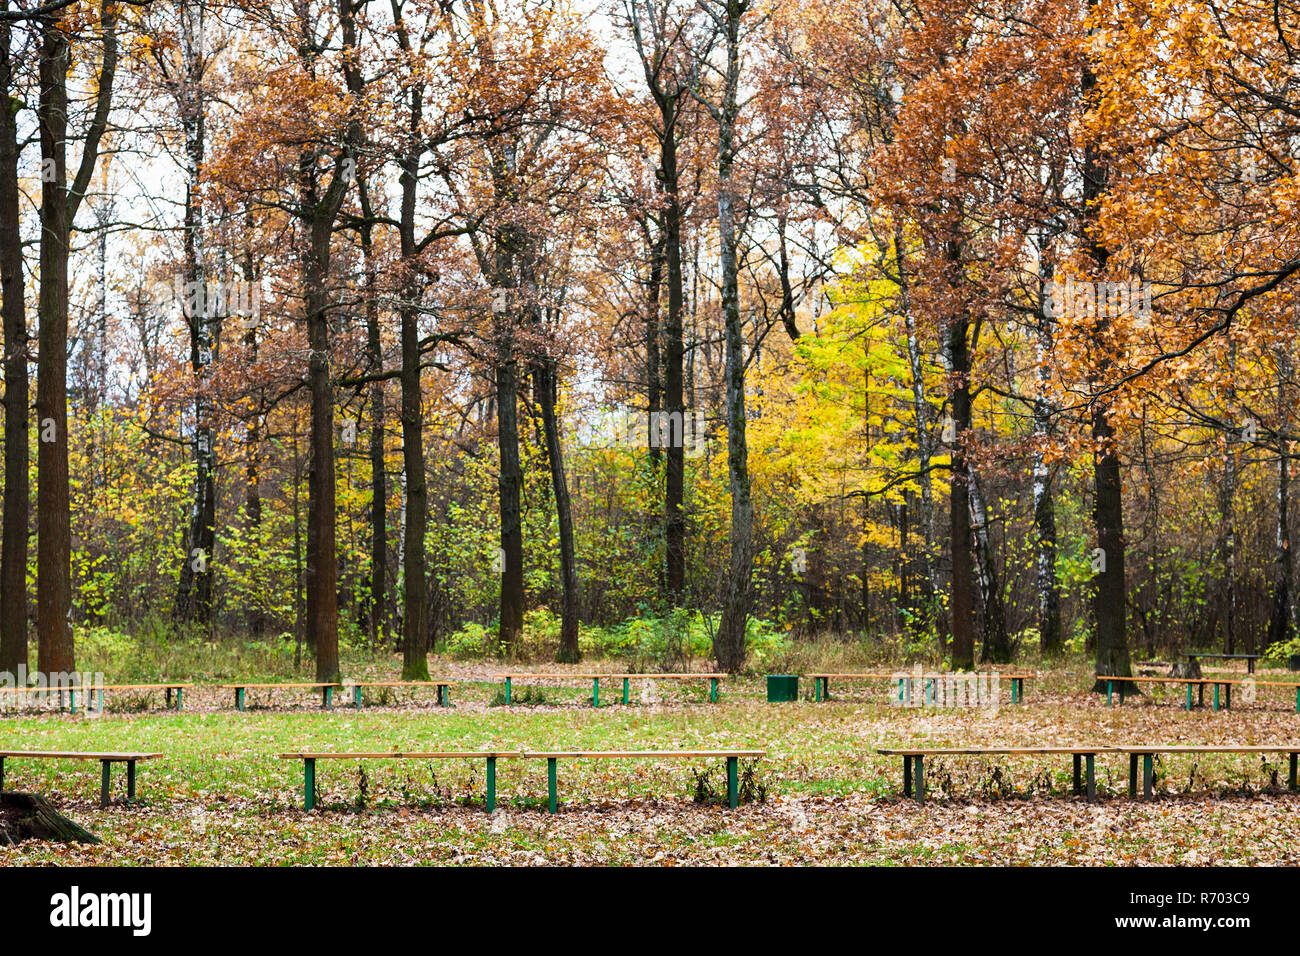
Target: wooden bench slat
[(77, 755), (614, 754), (402, 755), (929, 676), (265, 686), (514, 676)]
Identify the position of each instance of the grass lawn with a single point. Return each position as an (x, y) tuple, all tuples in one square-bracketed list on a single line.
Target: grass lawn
[(220, 796)]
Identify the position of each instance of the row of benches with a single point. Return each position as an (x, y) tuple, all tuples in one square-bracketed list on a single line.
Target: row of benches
[(1219, 683), (1085, 783), (176, 689), (913, 763), (552, 758), (822, 683), (309, 759)]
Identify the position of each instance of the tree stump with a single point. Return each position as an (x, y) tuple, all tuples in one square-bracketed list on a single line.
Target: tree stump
[(29, 816)]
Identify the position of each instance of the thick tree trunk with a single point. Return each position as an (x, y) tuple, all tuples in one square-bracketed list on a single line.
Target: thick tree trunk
[(322, 557), (1110, 598), (54, 545), (29, 816), (13, 551)]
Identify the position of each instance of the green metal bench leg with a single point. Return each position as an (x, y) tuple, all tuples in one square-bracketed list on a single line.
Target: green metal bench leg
[(1078, 774), (106, 785), (180, 697), (733, 783), (1090, 770), (444, 695), (595, 692), (552, 800), (817, 690), (356, 697), (1227, 697), (507, 690), (900, 690), (309, 782), (713, 690), (1216, 696), (130, 781), (101, 700), (239, 698), (907, 775), (1148, 772), (627, 699), (72, 701), (929, 690), (1133, 775), (920, 779), (1015, 691), (1189, 695), (1110, 686), (327, 697), (491, 784)]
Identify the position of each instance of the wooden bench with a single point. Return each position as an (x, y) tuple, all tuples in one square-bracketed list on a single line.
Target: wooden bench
[(443, 686), (914, 761), (625, 678), (822, 682), (491, 756), (1193, 656), (326, 689), (167, 688), (1220, 683), (90, 690), (731, 756), (106, 759)]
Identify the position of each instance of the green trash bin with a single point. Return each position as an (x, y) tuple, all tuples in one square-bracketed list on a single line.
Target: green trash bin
[(782, 688)]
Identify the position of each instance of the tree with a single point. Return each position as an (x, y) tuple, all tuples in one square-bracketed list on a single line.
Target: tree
[(13, 551), (60, 202)]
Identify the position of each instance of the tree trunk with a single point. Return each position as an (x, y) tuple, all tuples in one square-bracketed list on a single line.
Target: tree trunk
[(322, 557), (377, 617), (1050, 638), (1281, 619), (729, 643), (1109, 591), (996, 642), (13, 551), (961, 601), (509, 487), (29, 816), (194, 586), (54, 546), (547, 385)]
